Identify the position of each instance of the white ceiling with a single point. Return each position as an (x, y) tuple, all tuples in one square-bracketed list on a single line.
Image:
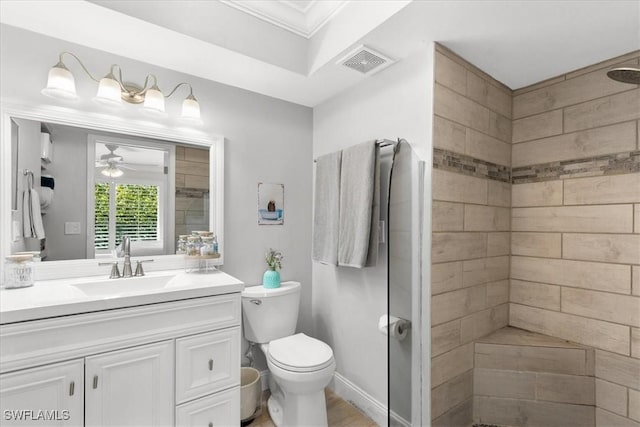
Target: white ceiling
[(517, 42)]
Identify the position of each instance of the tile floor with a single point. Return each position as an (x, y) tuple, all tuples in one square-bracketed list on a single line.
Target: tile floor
[(339, 413)]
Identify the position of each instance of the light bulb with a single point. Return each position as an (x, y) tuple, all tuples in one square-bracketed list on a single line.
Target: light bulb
[(154, 101), (190, 110), (109, 92), (60, 83), (112, 171)]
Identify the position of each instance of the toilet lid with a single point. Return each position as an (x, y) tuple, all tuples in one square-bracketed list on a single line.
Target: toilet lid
[(300, 353)]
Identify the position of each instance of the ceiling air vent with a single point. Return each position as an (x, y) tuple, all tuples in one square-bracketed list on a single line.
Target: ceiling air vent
[(365, 60)]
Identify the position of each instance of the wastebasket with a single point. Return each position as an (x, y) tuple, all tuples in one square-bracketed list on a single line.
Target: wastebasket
[(250, 392)]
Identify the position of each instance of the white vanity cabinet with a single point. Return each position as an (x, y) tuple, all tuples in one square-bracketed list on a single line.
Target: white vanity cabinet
[(50, 395), (170, 363), (130, 387)]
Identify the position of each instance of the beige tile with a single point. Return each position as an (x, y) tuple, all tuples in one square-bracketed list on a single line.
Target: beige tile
[(448, 135), (192, 167), (520, 337), (538, 126), (485, 147), (461, 415), (457, 246), (535, 86), (636, 218), (454, 187), (531, 413), (595, 333), (566, 388), (533, 359), (498, 193), (581, 274), (535, 294), (451, 393), (502, 383), (452, 305), (452, 106), (635, 343), (569, 92), (618, 248), (483, 270), (195, 181), (484, 322), (486, 218), (635, 287), (611, 397), (547, 245), (199, 155), (634, 404), (577, 145), (547, 193), (180, 217), (589, 219), (608, 419), (180, 180), (603, 111), (446, 277), (628, 58), (447, 216), (445, 337), (179, 152), (497, 293), (602, 189), (488, 95), (450, 74), (498, 244), (500, 127), (451, 364), (616, 308)]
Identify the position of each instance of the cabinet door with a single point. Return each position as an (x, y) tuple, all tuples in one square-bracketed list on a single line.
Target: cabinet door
[(207, 363), (51, 395), (130, 387), (218, 410)]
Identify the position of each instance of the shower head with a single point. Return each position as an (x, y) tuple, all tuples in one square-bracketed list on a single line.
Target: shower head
[(625, 75)]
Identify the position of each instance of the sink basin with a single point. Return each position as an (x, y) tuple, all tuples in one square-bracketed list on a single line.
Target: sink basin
[(118, 287)]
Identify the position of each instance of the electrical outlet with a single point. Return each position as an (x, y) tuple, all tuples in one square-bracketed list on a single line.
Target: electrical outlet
[(72, 228)]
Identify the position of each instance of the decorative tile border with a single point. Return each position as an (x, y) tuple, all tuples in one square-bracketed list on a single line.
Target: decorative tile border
[(611, 164), (467, 165)]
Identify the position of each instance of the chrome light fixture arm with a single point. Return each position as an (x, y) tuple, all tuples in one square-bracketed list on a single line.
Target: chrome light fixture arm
[(84, 68)]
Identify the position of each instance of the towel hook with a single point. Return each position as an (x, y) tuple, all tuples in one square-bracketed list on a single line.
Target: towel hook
[(29, 176)]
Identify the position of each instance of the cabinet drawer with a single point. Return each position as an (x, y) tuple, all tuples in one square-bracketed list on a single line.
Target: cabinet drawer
[(218, 410), (206, 363)]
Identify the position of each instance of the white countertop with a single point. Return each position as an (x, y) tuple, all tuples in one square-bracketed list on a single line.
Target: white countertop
[(63, 297)]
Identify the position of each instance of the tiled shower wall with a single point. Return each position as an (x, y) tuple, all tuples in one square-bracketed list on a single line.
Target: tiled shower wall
[(574, 214), (471, 222), (575, 243)]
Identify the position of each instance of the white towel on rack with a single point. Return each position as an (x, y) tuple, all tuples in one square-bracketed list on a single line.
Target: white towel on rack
[(359, 206), (326, 209), (31, 216)]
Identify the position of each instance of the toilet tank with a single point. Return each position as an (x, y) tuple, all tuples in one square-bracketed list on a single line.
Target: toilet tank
[(269, 314)]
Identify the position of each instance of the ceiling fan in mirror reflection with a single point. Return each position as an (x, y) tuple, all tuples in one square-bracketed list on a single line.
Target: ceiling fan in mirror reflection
[(112, 90)]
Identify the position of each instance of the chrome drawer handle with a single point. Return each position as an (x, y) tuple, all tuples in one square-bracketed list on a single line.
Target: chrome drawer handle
[(95, 381), (211, 364), (255, 301), (210, 424), (72, 388)]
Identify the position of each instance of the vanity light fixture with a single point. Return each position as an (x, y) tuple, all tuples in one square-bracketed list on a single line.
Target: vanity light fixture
[(112, 90)]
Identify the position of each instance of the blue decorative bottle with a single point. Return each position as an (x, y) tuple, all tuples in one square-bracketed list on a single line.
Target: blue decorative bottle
[(271, 279)]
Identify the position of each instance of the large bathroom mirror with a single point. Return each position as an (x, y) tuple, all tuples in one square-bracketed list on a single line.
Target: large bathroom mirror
[(75, 189)]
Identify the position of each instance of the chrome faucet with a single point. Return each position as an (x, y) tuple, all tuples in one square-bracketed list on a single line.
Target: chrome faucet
[(126, 248)]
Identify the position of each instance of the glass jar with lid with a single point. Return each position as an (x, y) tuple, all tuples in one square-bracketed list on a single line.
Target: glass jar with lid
[(181, 247), (18, 271)]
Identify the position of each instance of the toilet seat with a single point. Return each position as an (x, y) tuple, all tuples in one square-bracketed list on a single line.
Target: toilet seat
[(300, 353)]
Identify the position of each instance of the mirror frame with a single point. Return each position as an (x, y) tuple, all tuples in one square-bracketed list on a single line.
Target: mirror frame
[(49, 270)]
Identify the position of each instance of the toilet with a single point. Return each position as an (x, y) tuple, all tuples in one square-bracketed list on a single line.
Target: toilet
[(300, 367)]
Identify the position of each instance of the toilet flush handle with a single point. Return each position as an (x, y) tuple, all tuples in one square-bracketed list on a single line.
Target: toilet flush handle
[(255, 301)]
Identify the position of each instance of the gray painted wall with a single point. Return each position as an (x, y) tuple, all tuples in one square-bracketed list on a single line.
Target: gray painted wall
[(348, 302)]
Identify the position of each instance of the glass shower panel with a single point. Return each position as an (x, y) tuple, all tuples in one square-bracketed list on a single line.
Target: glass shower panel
[(404, 286)]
